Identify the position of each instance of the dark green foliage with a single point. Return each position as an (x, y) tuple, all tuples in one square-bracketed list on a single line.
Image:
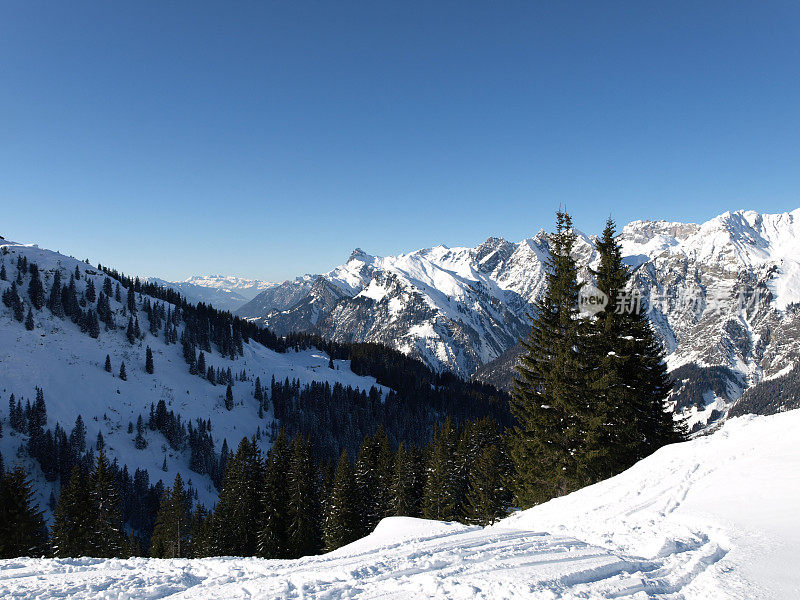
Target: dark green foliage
[(173, 521), (549, 399), (122, 373), (239, 506), (341, 524), (29, 320), (273, 535), (440, 500), (107, 366), (36, 289), (54, 302), (627, 376), (22, 528), (229, 397), (305, 536), (488, 497), (406, 489), (74, 517), (108, 539), (91, 294), (130, 331), (148, 361)]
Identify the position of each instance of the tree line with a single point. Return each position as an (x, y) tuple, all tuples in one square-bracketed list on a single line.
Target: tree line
[(284, 504)]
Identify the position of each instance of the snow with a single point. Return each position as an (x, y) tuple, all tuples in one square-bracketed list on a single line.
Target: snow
[(713, 518), (69, 366)]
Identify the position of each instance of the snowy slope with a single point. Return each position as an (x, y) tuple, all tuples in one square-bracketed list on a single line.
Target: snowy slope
[(68, 365), (714, 518)]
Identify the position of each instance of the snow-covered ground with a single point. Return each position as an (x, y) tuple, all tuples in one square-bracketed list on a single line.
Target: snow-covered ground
[(712, 518)]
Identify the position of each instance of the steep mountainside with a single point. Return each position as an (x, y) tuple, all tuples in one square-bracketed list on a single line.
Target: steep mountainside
[(67, 328), (722, 294)]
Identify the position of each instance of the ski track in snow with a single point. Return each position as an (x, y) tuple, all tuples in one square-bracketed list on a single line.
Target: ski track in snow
[(714, 518)]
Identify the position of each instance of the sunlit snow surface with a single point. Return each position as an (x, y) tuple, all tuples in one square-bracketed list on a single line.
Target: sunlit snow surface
[(708, 519)]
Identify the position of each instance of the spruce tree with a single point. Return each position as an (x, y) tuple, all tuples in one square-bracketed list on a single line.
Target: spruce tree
[(130, 332), (239, 505), (488, 497), (122, 373), (29, 320), (549, 397), (108, 539), (341, 524), (36, 289), (148, 361), (173, 521), (366, 482), (107, 366), (440, 500), (405, 489), (229, 397), (305, 537), (74, 516), (273, 532), (22, 528), (54, 303), (628, 375), (91, 293)]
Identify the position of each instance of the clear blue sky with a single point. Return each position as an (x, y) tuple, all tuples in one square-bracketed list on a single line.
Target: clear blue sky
[(268, 139)]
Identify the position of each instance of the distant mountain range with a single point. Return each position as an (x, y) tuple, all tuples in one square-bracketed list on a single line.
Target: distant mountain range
[(224, 292), (723, 296)]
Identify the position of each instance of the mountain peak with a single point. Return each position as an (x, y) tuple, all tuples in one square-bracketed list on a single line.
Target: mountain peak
[(356, 254)]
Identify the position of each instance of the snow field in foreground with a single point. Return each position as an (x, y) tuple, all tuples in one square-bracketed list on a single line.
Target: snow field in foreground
[(708, 519)]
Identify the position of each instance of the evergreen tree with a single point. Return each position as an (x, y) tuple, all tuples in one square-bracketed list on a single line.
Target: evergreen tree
[(488, 498), (74, 516), (29, 320), (3, 273), (122, 374), (54, 303), (201, 531), (341, 524), (108, 539), (91, 294), (22, 528), (628, 375), (93, 324), (148, 361), (406, 484), (549, 398), (131, 300), (366, 482), (36, 289), (440, 501), (108, 364), (304, 502), (130, 332), (229, 397), (173, 521), (239, 505), (273, 536)]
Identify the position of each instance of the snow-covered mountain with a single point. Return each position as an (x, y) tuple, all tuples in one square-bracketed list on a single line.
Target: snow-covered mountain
[(723, 296), (68, 364), (225, 292), (711, 518)]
